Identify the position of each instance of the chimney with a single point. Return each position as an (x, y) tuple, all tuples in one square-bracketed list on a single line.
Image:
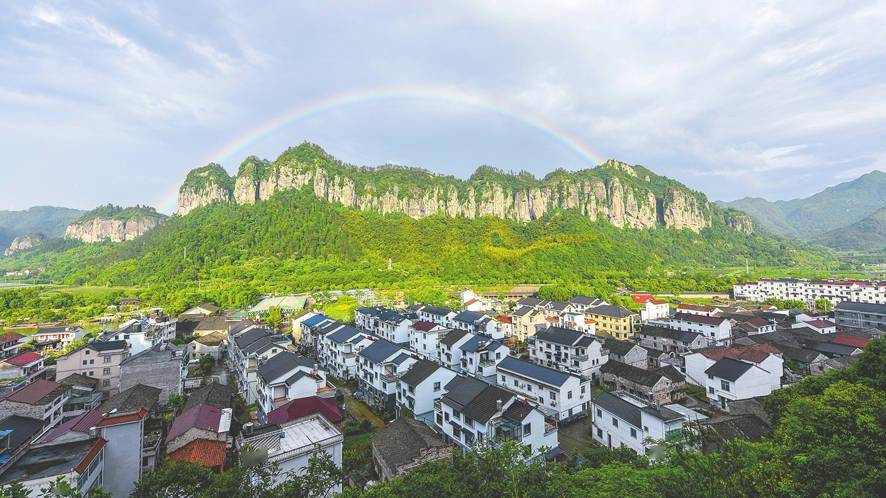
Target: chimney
[(498, 405), (247, 429)]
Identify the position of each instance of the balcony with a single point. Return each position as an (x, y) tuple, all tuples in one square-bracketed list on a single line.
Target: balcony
[(389, 376)]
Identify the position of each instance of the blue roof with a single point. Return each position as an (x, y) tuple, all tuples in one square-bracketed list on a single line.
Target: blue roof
[(401, 358), (536, 372), (468, 316), (314, 320), (344, 334), (379, 351), (479, 343)]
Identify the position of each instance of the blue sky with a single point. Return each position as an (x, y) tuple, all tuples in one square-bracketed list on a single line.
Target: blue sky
[(115, 103)]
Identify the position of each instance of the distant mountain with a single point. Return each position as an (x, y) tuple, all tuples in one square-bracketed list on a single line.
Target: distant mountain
[(47, 220), (868, 234), (113, 223), (831, 209)]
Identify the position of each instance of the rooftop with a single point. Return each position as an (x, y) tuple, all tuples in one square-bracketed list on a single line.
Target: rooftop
[(39, 392), (132, 400), (542, 374), (404, 441), (303, 407), (214, 394), (48, 461), (729, 368), (210, 454), (418, 372)]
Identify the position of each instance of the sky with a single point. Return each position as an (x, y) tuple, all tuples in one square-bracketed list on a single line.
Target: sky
[(116, 102)]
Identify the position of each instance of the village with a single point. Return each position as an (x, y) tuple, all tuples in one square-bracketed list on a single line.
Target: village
[(399, 384)]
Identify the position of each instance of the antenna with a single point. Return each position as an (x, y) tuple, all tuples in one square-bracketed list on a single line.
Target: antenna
[(747, 268)]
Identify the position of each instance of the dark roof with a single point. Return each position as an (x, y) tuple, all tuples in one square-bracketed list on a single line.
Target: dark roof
[(437, 310), (611, 310), (201, 416), (559, 305), (379, 351), (133, 399), (468, 316), (531, 301), (107, 345), (214, 394), (281, 364), (423, 326), (250, 336), (536, 372), (831, 348), (418, 372), (452, 337), (344, 334), (685, 337), (48, 461), (266, 343), (479, 343), (862, 307), (628, 412), (585, 300), (314, 320), (706, 320), (401, 358), (22, 429), (729, 368), (213, 323), (461, 390), (620, 348), (559, 335), (483, 406), (634, 374), (717, 431), (517, 411), (39, 392), (404, 441), (78, 379)]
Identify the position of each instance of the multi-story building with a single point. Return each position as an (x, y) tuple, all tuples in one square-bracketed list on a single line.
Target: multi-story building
[(472, 412), (56, 337), (562, 395), (424, 338), (652, 309), (23, 367), (766, 356), (388, 324), (660, 385), (525, 320), (100, 360), (246, 351), (568, 350), (479, 356), (338, 351), (853, 314), (143, 333), (476, 323), (421, 386), (441, 315), (717, 330), (835, 291), (627, 352), (670, 339), (42, 400), (448, 351), (287, 376), (729, 379), (10, 342), (616, 321), (159, 366), (620, 420), (381, 364)]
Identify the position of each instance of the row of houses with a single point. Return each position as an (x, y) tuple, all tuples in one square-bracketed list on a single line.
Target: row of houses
[(809, 291)]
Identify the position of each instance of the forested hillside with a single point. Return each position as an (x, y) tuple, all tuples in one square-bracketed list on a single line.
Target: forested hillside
[(47, 220), (295, 241)]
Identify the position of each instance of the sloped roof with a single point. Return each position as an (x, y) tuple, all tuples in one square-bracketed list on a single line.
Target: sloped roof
[(10, 337), (613, 404), (479, 343), (468, 316), (631, 373), (132, 399), (81, 423), (484, 405), (379, 351), (24, 359), (22, 429), (423, 326), (702, 319), (107, 345), (846, 340), (344, 334), (620, 348), (453, 337), (214, 394), (212, 339), (403, 441), (281, 364), (302, 407), (205, 417), (78, 379), (461, 390), (611, 310), (558, 335), (314, 320), (418, 372), (878, 309), (437, 310), (39, 392), (536, 372), (755, 353), (210, 454), (729, 368)]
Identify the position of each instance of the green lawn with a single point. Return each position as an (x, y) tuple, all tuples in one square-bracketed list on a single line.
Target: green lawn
[(357, 439)]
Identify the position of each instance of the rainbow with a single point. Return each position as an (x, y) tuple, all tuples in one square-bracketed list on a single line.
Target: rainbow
[(448, 95)]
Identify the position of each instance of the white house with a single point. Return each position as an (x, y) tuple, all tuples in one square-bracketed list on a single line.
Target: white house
[(698, 309), (472, 412), (561, 394), (670, 340), (480, 354), (766, 356), (476, 323), (246, 351), (388, 324), (568, 350), (621, 420), (291, 445), (448, 349), (818, 325), (421, 386), (730, 379), (56, 337), (381, 363), (716, 329), (424, 338), (143, 333), (441, 315), (338, 351), (284, 377)]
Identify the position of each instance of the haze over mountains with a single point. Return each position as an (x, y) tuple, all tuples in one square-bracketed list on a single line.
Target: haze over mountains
[(827, 216)]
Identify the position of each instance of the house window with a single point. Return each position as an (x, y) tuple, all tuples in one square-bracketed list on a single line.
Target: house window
[(527, 430), (633, 433), (529, 387), (106, 382), (84, 362), (724, 384), (568, 394), (553, 396), (107, 359), (436, 386), (516, 383), (503, 378), (600, 433), (614, 422), (92, 362), (599, 412), (711, 389), (106, 371)]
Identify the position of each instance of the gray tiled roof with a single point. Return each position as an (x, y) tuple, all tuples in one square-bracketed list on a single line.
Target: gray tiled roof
[(628, 412), (344, 334), (483, 406), (133, 399), (452, 337), (418, 372), (468, 316), (729, 368), (879, 309), (280, 364), (539, 373), (559, 335), (611, 310), (461, 390), (379, 351)]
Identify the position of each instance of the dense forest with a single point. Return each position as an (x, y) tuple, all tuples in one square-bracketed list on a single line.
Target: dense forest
[(296, 242)]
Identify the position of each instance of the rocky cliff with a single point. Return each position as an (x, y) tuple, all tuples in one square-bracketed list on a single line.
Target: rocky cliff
[(24, 242), (624, 195), (114, 224)]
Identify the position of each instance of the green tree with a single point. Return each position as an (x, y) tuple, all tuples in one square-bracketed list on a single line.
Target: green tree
[(274, 317)]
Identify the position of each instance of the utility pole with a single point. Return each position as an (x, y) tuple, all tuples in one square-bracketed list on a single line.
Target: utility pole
[(747, 268)]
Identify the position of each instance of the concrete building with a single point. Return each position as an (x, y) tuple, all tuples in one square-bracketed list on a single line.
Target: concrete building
[(421, 386), (100, 360), (404, 445), (42, 400), (561, 395), (159, 366), (620, 420), (853, 314), (568, 350)]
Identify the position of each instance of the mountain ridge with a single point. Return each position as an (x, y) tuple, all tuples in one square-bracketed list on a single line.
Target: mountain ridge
[(625, 195)]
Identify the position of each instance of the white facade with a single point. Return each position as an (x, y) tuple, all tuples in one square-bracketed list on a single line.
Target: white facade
[(420, 398), (621, 420), (755, 381), (581, 354), (716, 330), (654, 310), (697, 363), (425, 340), (564, 394), (835, 291)]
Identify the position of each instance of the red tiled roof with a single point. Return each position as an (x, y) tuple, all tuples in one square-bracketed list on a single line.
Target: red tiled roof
[(302, 407), (659, 301), (423, 326), (34, 392), (472, 301), (24, 359), (10, 337), (504, 319), (755, 353), (641, 298), (87, 459), (707, 320), (81, 423), (210, 454), (848, 340), (552, 319), (757, 321), (201, 416), (123, 419)]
